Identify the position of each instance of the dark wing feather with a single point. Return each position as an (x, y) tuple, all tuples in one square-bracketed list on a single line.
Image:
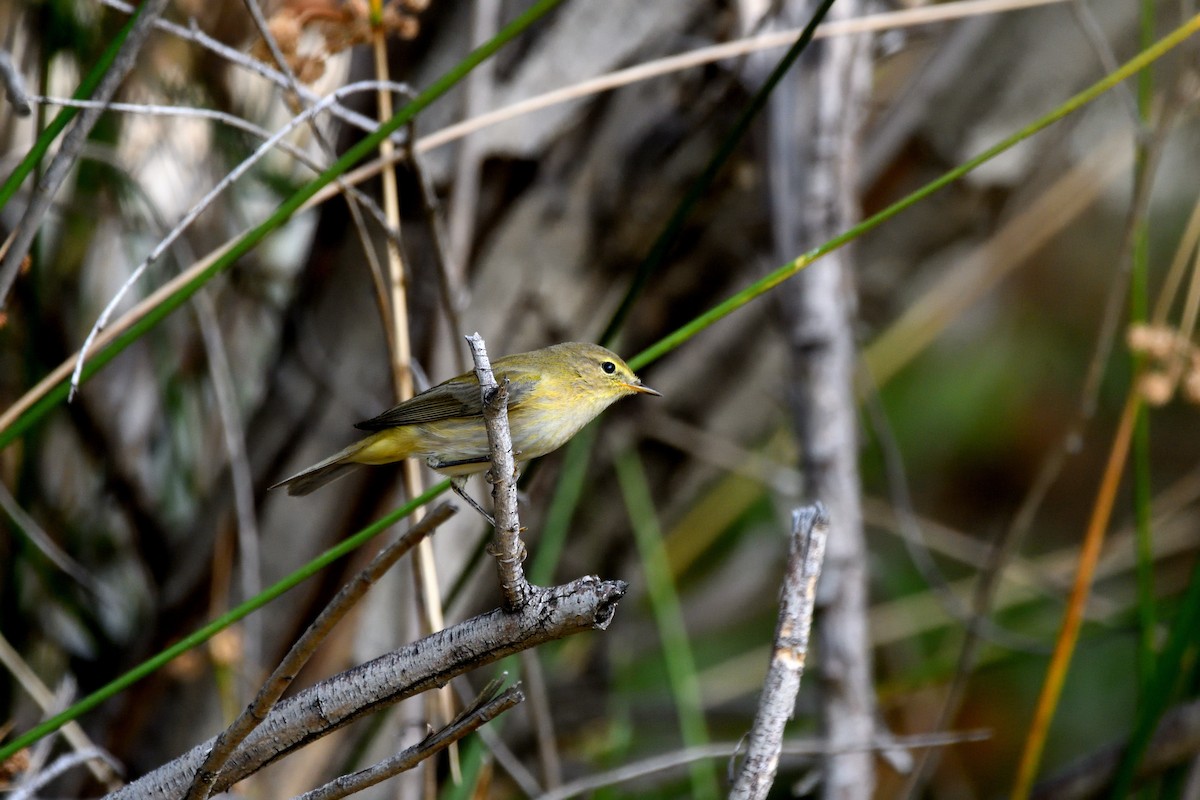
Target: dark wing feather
[(453, 399)]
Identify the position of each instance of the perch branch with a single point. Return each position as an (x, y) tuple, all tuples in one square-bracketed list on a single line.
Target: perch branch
[(507, 546), (552, 613)]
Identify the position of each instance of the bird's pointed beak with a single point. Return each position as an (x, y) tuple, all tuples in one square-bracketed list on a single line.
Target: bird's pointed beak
[(642, 388)]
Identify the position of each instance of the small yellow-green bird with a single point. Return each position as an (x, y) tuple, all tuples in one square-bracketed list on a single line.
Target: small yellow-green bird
[(552, 394)]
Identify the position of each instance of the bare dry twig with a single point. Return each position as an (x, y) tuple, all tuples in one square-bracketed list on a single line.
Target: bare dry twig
[(233, 430), (274, 687), (90, 756), (542, 719), (254, 65), (72, 732), (197, 209), (489, 706), (46, 545), (506, 547), (500, 753), (450, 271), (550, 613), (810, 527), (867, 23), (14, 87), (223, 118)]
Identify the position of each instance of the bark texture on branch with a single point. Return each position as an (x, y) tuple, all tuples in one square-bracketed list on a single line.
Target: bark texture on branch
[(507, 547), (584, 604), (816, 118), (467, 722), (798, 596)]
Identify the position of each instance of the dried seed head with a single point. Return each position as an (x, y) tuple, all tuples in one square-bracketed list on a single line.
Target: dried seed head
[(1137, 337), (1191, 385), (16, 764), (1156, 388), (286, 29), (399, 24), (1155, 341)]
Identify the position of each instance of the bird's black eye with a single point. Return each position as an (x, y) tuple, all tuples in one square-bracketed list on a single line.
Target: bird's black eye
[(609, 367)]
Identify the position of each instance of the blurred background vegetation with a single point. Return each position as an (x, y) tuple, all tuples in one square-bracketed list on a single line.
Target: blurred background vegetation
[(992, 318)]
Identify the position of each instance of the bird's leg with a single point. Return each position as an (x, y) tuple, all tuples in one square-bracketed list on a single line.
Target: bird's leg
[(459, 484)]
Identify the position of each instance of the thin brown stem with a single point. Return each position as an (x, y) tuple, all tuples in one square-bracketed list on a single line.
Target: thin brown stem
[(1064, 648)]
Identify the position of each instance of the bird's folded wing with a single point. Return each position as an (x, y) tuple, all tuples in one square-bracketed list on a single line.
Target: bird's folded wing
[(450, 400)]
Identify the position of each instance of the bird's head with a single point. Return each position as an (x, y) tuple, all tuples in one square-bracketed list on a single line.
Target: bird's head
[(600, 373)]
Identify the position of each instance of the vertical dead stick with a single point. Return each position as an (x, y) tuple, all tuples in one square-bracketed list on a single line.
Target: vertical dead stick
[(506, 547), (810, 526)]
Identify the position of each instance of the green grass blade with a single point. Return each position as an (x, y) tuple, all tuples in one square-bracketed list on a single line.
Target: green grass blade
[(668, 615)]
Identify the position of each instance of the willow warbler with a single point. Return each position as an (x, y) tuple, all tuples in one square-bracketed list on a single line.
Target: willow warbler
[(552, 394)]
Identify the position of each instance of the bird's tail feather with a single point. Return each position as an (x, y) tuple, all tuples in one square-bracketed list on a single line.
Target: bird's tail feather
[(321, 473)]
